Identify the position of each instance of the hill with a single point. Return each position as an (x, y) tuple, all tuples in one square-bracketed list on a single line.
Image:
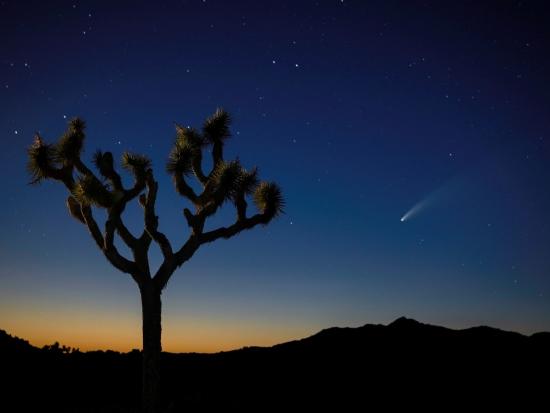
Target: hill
[(404, 364)]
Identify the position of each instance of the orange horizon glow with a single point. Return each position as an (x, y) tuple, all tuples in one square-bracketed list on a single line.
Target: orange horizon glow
[(206, 340), (97, 331)]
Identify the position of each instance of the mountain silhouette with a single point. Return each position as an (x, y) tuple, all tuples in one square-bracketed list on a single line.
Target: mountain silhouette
[(405, 364)]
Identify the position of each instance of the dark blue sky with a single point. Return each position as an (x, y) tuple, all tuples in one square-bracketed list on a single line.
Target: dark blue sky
[(360, 110)]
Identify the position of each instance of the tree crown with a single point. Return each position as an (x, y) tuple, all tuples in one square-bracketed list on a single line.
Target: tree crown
[(228, 181)]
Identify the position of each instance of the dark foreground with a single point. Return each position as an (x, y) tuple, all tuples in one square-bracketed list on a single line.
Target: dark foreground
[(405, 364)]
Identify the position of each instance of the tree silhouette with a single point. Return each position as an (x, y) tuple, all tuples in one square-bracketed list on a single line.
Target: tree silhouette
[(226, 182)]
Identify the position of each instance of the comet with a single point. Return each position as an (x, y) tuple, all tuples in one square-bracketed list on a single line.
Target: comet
[(446, 192), (415, 209)]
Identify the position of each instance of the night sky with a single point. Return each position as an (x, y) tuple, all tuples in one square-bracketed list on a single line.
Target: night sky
[(362, 112)]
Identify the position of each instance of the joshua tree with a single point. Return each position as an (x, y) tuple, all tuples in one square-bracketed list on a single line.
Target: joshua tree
[(227, 181)]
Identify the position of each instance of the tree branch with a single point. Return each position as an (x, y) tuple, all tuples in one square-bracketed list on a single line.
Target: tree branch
[(105, 164), (228, 232), (196, 240), (194, 221), (134, 191), (92, 226), (184, 253), (115, 212), (111, 252), (241, 205), (151, 220), (197, 168), (83, 169), (184, 189), (126, 235), (217, 154)]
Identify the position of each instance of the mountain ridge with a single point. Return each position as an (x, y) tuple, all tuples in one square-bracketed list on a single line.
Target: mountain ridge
[(339, 367), (402, 324)]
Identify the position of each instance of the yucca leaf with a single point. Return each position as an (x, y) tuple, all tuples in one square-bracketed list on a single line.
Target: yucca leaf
[(180, 160), (226, 178), (77, 124), (69, 147), (41, 160), (88, 190), (248, 181), (190, 137), (136, 164), (216, 127), (269, 199)]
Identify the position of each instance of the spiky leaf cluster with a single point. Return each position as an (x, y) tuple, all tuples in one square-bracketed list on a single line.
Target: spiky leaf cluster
[(248, 181), (189, 137), (88, 190), (269, 199), (136, 164), (216, 127), (226, 179), (77, 124), (180, 160), (41, 160), (70, 145)]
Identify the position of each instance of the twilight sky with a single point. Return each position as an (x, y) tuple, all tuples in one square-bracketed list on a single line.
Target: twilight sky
[(360, 110)]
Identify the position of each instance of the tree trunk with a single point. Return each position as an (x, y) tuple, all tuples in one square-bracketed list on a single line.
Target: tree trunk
[(151, 310)]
